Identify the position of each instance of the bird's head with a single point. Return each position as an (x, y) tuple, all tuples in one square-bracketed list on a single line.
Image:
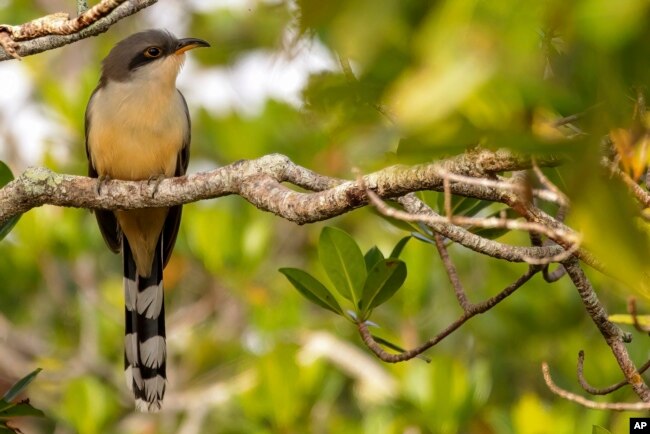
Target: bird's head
[(151, 55)]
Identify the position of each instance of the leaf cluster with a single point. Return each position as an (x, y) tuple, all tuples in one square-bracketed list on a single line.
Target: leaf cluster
[(366, 281)]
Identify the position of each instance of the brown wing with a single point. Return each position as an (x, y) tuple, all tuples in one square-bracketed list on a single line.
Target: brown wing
[(105, 219), (173, 220)]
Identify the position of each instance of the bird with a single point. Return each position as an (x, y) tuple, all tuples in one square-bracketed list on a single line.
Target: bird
[(137, 127)]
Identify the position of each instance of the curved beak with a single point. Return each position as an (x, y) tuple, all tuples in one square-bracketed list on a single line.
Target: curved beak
[(186, 44)]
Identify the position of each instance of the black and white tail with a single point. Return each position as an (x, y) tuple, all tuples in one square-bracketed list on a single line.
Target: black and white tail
[(144, 335)]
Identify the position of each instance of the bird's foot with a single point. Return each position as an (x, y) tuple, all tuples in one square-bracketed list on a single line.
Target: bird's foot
[(156, 180), (101, 181)]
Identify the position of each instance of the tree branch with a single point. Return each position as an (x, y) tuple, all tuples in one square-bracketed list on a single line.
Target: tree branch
[(614, 336), (470, 311), (56, 30), (620, 406), (640, 194), (605, 390), (452, 273), (484, 222), (474, 242), (533, 214), (258, 181)]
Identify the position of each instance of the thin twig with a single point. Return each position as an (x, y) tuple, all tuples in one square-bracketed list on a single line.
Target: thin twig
[(619, 406), (474, 309), (488, 222), (447, 197), (641, 195), (567, 119), (605, 390), (549, 277), (483, 222), (555, 258), (452, 273), (631, 308), (562, 199), (574, 117), (553, 276)]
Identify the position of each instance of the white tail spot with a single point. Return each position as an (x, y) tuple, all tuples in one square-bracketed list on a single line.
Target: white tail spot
[(149, 301), (153, 352), (130, 292)]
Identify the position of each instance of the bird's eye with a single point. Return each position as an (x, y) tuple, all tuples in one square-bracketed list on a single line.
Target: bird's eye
[(152, 52)]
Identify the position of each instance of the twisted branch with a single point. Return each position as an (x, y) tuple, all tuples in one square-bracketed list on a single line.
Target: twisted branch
[(58, 29), (620, 406), (605, 390), (614, 337)]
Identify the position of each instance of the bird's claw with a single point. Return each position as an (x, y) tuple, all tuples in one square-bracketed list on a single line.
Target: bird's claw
[(101, 181), (156, 180)]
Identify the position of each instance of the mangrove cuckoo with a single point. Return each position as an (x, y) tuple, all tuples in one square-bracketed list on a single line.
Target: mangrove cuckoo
[(138, 128)]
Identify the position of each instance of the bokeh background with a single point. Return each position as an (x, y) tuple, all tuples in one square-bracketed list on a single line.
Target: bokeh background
[(334, 85)]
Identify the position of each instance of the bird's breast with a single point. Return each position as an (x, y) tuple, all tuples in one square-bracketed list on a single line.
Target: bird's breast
[(134, 131)]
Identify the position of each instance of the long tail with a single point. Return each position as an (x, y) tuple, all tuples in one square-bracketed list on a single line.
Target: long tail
[(144, 335)]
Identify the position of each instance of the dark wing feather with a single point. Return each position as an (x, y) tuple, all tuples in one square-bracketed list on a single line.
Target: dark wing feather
[(105, 219), (173, 220)]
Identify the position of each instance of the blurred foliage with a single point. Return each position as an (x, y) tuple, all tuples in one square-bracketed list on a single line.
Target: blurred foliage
[(418, 80)]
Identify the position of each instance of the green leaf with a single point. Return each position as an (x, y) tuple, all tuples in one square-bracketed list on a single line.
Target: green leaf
[(472, 208), (312, 289), (5, 405), (5, 177), (385, 278), (343, 262), (490, 233), (372, 256), (5, 174), (397, 250), (596, 429), (23, 408), (422, 237), (20, 385)]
